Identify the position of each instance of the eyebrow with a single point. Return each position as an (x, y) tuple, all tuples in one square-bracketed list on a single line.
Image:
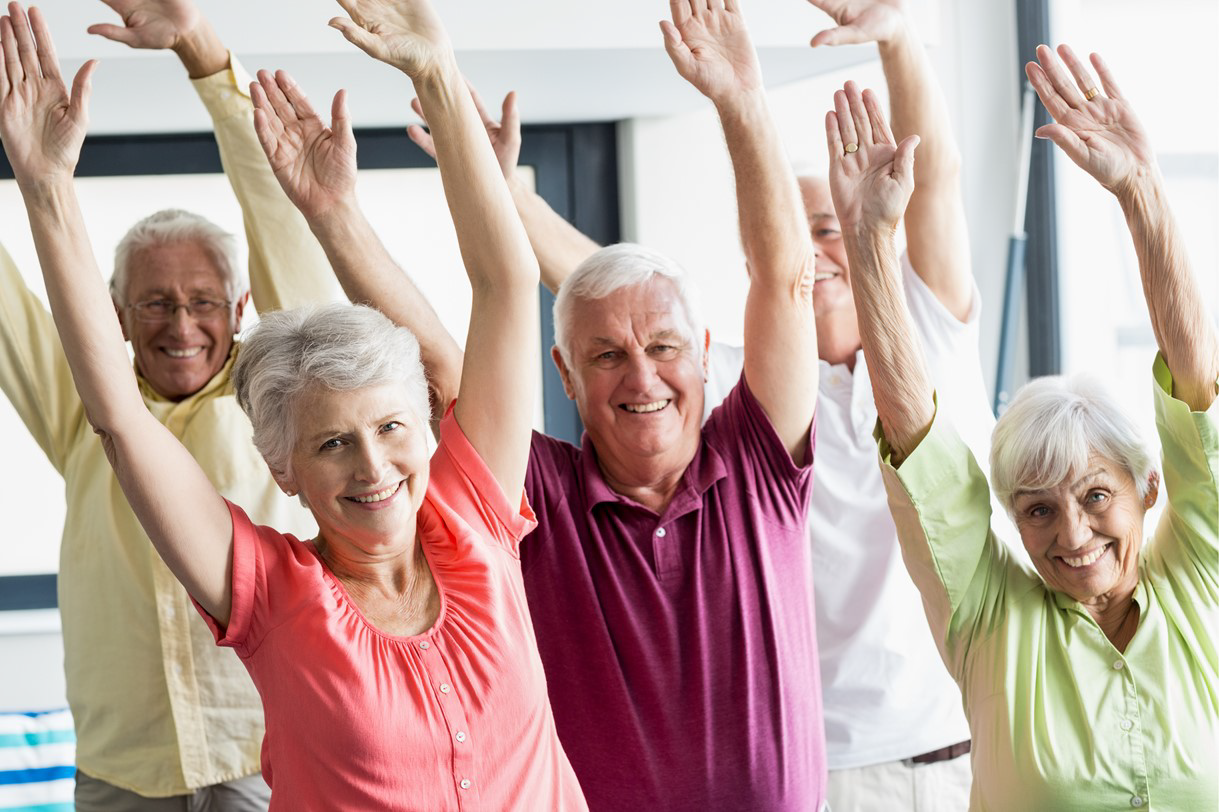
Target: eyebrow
[(327, 433), (1093, 474)]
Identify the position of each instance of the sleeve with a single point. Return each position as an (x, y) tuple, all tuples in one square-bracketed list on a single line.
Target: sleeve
[(1190, 442), (34, 371), (940, 501), (288, 268), (782, 488), (468, 494), (724, 366), (251, 563)]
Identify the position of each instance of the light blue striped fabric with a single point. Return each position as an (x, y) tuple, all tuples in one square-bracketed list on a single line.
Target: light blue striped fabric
[(37, 758)]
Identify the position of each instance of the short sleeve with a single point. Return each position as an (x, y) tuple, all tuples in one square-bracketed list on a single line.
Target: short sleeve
[(251, 544), (464, 491), (1190, 442), (741, 426), (940, 501)]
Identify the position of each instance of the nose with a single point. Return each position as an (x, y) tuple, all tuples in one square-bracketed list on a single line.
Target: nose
[(181, 321), (371, 467), (1077, 528), (641, 373)]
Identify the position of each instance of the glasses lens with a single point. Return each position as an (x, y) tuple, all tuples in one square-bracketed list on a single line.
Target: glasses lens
[(157, 310)]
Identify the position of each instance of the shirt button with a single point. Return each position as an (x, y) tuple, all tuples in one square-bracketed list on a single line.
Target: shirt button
[(465, 783), (1136, 801), (660, 533), (1118, 665), (1127, 724), (425, 645), (445, 688), (461, 736)]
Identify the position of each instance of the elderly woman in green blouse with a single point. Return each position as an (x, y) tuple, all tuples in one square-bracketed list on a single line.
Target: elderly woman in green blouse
[(1092, 682)]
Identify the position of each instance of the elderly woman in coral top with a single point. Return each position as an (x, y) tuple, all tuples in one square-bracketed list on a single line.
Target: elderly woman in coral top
[(1089, 681), (394, 653)]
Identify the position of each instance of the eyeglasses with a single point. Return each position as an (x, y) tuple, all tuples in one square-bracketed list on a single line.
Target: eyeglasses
[(158, 310)]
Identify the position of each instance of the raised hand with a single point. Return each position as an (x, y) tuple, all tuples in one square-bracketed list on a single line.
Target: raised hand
[(406, 34), (42, 125), (505, 134), (1097, 130), (315, 164), (860, 21), (871, 178), (150, 23), (711, 48)]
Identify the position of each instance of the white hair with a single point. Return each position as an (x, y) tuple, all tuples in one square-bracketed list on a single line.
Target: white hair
[(1053, 426), (625, 265), (176, 226), (339, 346)]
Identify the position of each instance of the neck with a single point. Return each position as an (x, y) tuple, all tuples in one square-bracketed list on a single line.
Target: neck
[(1117, 616), (838, 338), (650, 481), (393, 574)]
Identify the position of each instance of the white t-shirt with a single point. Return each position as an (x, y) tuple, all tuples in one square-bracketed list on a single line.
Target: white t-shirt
[(886, 693)]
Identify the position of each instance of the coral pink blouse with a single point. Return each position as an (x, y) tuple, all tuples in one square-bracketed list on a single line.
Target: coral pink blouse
[(456, 718)]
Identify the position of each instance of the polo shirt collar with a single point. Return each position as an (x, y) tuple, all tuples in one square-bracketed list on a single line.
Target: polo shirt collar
[(704, 470)]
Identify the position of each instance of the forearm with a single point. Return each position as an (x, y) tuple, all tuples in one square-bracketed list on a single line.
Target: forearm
[(774, 231), (369, 275), (559, 246), (917, 107), (1183, 328), (900, 381), (81, 306)]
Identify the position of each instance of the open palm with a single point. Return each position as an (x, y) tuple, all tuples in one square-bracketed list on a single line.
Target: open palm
[(404, 33), (315, 164), (871, 184), (149, 23), (711, 48), (860, 21)]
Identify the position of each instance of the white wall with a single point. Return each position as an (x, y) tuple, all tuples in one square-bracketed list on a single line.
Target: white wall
[(677, 183)]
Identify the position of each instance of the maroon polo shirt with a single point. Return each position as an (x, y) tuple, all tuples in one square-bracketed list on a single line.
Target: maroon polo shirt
[(680, 649)]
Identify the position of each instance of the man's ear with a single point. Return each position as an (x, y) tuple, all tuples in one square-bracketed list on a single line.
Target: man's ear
[(118, 312), (1153, 489), (706, 355), (564, 373), (239, 311)]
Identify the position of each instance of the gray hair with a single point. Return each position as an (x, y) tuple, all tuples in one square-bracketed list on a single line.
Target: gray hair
[(1052, 427), (174, 226), (613, 268), (339, 346)]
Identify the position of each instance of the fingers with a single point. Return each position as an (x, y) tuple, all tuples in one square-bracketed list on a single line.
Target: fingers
[(903, 159), (356, 35), (1066, 89), (115, 33), (859, 114), (422, 139), (340, 118), (1083, 79), (1054, 103), (267, 125), (1106, 77), (677, 50), (833, 137), (48, 62), (13, 74), (1066, 140), (846, 123), (881, 134), (278, 103), (294, 95), (510, 116), (680, 11), (417, 106), (26, 50)]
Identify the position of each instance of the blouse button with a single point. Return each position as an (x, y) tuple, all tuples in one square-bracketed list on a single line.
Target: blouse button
[(1127, 724), (1118, 665), (1136, 801), (425, 645), (461, 736), (445, 688), (465, 783)]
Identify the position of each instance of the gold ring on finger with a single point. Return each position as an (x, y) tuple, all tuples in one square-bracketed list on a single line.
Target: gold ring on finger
[(847, 149), (1091, 93)]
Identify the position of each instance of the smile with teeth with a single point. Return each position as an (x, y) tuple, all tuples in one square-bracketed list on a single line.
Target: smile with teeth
[(821, 276), (1085, 560), (645, 408), (189, 352), (379, 496)]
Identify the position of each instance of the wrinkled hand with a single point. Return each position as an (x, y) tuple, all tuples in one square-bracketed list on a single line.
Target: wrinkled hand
[(315, 164), (711, 48), (860, 21), (1102, 135), (505, 134), (150, 23), (871, 185), (404, 33), (41, 124)]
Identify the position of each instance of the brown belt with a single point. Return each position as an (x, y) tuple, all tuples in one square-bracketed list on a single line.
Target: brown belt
[(943, 754)]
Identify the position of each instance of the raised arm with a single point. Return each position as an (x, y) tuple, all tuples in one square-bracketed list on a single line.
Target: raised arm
[(937, 236), (712, 50), (871, 187), (499, 378), (42, 127), (560, 246), (1098, 130), (287, 266), (316, 166)]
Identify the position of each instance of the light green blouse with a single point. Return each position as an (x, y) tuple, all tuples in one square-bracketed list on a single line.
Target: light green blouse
[(1060, 719)]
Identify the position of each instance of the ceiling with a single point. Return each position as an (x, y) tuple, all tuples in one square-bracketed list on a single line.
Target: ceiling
[(569, 60)]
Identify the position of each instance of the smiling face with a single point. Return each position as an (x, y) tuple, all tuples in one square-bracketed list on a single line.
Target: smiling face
[(832, 280), (637, 376), (1084, 535), (360, 461), (179, 355)]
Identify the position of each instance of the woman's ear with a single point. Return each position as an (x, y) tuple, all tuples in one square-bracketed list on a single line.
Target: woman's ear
[(1153, 489)]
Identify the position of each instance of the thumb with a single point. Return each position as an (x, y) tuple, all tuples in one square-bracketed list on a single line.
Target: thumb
[(510, 117), (117, 33), (903, 161), (357, 36), (340, 118), (82, 88), (842, 35), (678, 51), (422, 139)]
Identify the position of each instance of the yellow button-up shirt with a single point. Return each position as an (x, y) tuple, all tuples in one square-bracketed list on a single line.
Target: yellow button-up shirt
[(1060, 719), (159, 709)]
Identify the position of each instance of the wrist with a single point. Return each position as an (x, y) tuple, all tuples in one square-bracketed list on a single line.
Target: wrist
[(47, 190), (335, 219), (201, 51), (1139, 190)]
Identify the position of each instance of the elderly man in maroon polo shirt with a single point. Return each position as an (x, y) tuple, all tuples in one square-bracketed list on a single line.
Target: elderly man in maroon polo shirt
[(669, 578)]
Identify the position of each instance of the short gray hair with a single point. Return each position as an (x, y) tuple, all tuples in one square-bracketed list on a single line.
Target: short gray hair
[(1052, 427), (339, 346), (173, 226), (613, 268)]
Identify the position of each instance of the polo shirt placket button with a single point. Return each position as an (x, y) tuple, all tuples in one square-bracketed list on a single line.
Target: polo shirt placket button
[(660, 533), (465, 783), (1118, 665)]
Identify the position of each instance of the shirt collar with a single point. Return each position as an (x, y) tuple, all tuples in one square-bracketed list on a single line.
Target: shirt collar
[(704, 470)]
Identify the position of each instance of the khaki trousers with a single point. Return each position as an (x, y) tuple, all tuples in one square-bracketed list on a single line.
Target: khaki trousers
[(249, 794)]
